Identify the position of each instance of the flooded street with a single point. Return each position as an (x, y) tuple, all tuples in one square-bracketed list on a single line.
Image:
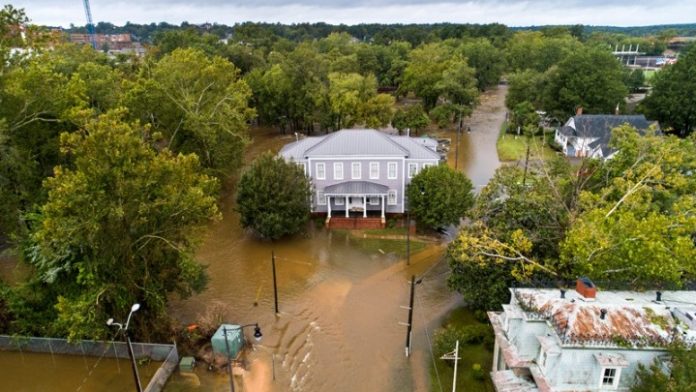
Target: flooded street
[(340, 307)]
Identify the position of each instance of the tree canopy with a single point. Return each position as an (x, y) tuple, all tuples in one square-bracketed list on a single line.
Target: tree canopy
[(273, 197), (439, 196)]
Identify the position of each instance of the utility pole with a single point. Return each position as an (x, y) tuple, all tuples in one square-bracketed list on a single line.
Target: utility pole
[(275, 285), (409, 325), (456, 148), (453, 356), (526, 163), (408, 236), (229, 360)]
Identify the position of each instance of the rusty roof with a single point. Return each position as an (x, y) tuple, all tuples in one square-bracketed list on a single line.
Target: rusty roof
[(631, 319)]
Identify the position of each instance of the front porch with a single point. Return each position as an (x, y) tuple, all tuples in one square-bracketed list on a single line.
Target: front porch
[(356, 205)]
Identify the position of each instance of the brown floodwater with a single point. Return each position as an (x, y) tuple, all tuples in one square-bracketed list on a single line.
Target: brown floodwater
[(342, 309), (340, 326), (32, 372)]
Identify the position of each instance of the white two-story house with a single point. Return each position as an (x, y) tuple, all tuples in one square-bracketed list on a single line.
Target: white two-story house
[(586, 340), (588, 135), (361, 171)]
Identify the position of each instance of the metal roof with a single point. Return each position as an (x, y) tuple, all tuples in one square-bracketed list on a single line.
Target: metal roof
[(357, 142), (419, 148), (296, 150), (356, 188)]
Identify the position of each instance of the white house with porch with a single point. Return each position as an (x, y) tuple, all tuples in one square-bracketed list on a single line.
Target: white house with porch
[(361, 173), (586, 340)]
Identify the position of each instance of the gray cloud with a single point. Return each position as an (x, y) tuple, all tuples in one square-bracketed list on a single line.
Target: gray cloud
[(510, 12)]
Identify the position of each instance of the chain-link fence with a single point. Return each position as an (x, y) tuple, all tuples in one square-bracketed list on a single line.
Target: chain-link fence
[(165, 353)]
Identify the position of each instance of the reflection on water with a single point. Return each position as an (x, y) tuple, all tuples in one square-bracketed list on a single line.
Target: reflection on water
[(32, 372), (340, 308)]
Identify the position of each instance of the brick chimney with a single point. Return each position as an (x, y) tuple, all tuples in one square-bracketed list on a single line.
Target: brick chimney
[(578, 111), (586, 288)]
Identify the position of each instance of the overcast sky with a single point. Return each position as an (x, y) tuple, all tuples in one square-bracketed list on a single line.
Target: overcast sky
[(509, 12)]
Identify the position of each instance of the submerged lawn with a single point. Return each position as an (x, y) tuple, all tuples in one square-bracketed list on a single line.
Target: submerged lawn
[(470, 354)]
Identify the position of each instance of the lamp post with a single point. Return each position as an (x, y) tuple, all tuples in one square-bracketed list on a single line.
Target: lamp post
[(257, 336), (124, 328)]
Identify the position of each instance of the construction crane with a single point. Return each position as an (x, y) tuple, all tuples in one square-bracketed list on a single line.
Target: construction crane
[(90, 25)]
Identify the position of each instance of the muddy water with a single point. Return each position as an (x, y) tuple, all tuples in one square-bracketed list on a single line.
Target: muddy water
[(340, 308), (31, 372)]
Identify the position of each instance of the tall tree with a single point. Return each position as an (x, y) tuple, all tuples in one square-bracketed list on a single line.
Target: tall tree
[(273, 197), (439, 196), (120, 227), (589, 77), (672, 100), (199, 104)]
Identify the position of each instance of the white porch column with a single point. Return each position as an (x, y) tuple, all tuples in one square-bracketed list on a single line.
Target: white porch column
[(328, 203), (347, 211), (383, 200), (364, 206)]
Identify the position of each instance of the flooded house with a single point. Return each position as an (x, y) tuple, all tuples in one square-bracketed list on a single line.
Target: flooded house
[(586, 340), (360, 175)]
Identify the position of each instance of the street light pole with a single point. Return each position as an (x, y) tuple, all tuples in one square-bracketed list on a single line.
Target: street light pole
[(131, 354), (408, 236), (257, 336)]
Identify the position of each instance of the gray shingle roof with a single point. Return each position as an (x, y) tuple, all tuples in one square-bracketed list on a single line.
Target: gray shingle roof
[(600, 125), (357, 188), (361, 142)]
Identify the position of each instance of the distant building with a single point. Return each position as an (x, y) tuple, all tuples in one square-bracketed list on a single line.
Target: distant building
[(361, 171), (586, 340), (588, 135)]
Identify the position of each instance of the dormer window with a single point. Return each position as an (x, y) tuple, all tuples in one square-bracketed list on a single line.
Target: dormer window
[(610, 378)]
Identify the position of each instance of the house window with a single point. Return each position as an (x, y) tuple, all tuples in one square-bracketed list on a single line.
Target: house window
[(428, 165), (609, 377), (412, 169), (374, 200), (356, 168), (338, 171), (374, 170), (321, 199), (391, 197), (321, 171), (391, 170), (340, 201)]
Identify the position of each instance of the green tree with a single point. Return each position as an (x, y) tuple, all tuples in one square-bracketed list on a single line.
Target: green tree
[(273, 197), (410, 117), (439, 196), (199, 104), (589, 77), (525, 86), (672, 100), (487, 60), (638, 227), (681, 377), (119, 227)]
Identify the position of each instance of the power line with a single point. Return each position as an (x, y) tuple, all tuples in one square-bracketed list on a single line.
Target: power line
[(427, 337)]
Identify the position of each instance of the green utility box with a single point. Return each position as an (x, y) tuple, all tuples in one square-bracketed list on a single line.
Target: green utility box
[(187, 364), (235, 340)]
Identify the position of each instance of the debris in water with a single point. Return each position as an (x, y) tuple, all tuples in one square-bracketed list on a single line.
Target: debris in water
[(380, 251)]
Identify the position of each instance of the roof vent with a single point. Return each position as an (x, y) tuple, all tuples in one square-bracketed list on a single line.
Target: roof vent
[(658, 296), (586, 288), (602, 314), (563, 293)]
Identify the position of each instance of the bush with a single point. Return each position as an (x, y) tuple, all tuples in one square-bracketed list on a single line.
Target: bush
[(477, 372)]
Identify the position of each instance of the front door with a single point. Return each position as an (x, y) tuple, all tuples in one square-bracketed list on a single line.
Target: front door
[(355, 203)]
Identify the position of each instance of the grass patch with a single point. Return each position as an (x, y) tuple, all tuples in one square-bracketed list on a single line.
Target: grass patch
[(511, 148), (470, 354), (387, 231)]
